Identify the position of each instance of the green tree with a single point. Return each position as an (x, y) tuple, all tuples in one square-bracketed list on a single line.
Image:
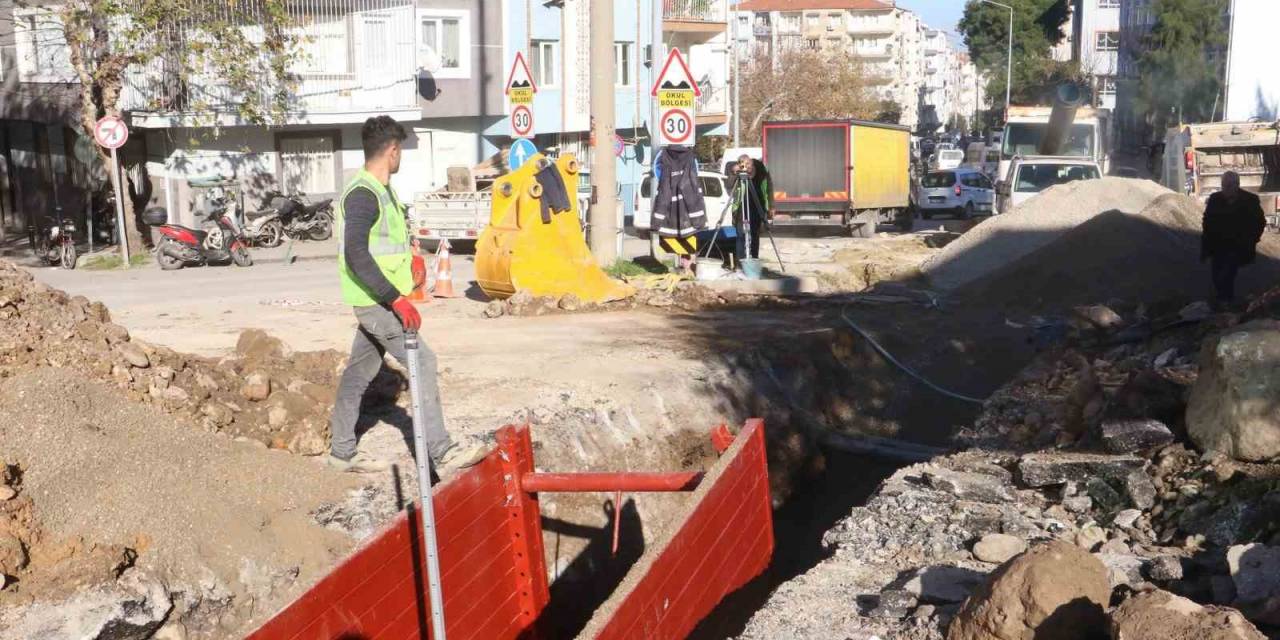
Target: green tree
[(1038, 25), (889, 112), (802, 84), (246, 47), (1181, 64)]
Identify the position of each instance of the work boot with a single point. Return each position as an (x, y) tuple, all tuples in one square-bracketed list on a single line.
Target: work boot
[(459, 456), (359, 463)]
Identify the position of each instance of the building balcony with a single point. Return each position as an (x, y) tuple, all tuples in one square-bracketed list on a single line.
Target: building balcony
[(713, 105), (873, 52), (357, 57), (695, 16)]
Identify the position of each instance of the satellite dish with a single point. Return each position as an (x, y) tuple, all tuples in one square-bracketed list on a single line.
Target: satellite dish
[(430, 60)]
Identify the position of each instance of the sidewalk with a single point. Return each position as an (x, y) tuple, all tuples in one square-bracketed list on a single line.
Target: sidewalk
[(17, 249)]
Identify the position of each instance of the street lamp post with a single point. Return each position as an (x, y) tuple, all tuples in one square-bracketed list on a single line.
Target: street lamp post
[(1008, 72)]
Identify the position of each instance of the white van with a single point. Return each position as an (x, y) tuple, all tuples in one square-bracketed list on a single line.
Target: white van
[(732, 154), (715, 195)]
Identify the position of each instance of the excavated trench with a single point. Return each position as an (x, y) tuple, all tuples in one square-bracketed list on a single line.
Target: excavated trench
[(807, 384)]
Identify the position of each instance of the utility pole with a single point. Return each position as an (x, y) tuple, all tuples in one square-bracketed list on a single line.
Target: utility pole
[(737, 79), (604, 196)]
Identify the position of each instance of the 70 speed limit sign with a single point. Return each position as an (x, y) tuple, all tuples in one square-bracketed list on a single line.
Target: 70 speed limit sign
[(676, 126)]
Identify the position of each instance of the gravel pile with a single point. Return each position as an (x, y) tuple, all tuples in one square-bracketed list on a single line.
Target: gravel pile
[(1002, 239)]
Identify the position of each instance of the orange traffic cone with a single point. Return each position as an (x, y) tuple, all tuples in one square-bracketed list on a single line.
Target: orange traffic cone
[(419, 294), (444, 273)]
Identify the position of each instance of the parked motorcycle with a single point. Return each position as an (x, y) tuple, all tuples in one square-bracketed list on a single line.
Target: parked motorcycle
[(303, 220), (219, 240), (55, 244)]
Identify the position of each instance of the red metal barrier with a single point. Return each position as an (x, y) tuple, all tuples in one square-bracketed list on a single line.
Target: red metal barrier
[(494, 572), (724, 540)]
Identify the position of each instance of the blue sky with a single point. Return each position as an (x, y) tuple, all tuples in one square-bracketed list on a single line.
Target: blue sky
[(939, 14)]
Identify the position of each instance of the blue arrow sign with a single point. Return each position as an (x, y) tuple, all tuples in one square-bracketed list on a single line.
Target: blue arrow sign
[(521, 151)]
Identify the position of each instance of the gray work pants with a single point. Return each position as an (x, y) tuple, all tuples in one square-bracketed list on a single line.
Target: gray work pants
[(381, 331)]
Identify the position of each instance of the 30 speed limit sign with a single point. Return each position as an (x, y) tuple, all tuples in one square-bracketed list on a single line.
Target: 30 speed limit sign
[(677, 126), (522, 121)]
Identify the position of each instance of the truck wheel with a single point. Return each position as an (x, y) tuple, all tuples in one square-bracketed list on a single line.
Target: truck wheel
[(904, 220)]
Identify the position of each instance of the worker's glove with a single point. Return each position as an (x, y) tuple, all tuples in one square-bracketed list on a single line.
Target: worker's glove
[(407, 313), (419, 269)]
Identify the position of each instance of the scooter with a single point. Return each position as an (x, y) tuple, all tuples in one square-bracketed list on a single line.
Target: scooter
[(55, 244), (219, 240)]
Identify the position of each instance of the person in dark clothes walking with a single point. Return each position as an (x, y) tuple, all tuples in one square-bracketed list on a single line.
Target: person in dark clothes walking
[(758, 201), (377, 269), (1233, 225)]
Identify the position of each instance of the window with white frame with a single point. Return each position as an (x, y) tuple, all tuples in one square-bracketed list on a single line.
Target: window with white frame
[(622, 57), (41, 47), (444, 42), (789, 22), (307, 164), (1107, 41), (1106, 85), (544, 63)]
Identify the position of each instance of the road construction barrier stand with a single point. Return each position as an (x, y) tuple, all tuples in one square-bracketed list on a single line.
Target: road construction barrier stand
[(492, 561), (518, 251)]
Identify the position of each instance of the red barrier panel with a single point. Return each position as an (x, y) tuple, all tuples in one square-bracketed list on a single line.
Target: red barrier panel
[(494, 579), (724, 540)]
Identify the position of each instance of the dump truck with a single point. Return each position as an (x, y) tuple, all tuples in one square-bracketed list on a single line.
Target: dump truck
[(1064, 129), (1196, 156), (852, 172)]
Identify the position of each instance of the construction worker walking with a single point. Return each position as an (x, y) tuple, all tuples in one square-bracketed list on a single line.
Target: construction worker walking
[(378, 270)]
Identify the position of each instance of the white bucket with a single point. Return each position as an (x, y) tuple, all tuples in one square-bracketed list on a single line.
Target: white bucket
[(707, 271)]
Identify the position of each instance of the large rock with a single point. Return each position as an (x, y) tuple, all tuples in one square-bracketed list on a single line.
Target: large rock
[(1160, 614), (132, 608), (1043, 469), (1233, 408), (1255, 569), (257, 387), (133, 354), (1055, 591), (256, 345)]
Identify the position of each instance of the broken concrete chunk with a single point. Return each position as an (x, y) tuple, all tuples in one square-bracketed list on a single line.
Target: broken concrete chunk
[(1255, 569), (1165, 568), (1043, 469), (1127, 518), (1122, 569), (969, 486), (1090, 537), (1128, 436), (1140, 490)]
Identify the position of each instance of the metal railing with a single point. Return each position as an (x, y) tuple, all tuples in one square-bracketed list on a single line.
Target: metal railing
[(353, 56), (714, 100), (698, 10)]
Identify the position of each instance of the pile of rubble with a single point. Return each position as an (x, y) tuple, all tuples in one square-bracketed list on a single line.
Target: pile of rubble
[(685, 296), (1124, 485), (263, 393)]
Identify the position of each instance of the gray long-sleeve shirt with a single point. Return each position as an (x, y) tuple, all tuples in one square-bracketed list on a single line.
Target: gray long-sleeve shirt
[(359, 213)]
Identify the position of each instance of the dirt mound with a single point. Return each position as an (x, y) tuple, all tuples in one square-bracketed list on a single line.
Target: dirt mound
[(1151, 256), (118, 487), (1002, 239), (264, 393)]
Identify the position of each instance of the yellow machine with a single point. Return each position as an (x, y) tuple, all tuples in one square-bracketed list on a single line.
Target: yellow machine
[(519, 252)]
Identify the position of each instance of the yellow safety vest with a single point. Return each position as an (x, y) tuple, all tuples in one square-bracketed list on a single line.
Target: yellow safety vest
[(388, 243)]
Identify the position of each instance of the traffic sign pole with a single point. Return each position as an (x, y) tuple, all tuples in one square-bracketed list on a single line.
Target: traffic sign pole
[(117, 177)]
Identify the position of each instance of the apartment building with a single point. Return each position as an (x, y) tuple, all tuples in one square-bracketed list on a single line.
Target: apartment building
[(917, 67), (435, 66), (1136, 22)]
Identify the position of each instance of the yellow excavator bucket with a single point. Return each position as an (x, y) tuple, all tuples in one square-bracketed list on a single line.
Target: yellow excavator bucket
[(520, 252)]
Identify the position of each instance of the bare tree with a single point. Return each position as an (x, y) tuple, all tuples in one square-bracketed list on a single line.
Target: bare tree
[(179, 49), (805, 84)]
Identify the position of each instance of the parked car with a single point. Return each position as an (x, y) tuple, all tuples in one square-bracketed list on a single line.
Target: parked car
[(715, 194), (1031, 175), (961, 192), (947, 159)]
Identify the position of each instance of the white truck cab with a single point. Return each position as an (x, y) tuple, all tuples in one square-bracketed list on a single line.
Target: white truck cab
[(1030, 175)]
